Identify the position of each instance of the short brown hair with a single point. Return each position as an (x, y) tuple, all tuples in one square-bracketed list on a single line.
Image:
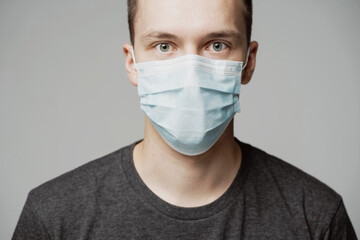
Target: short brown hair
[(132, 5)]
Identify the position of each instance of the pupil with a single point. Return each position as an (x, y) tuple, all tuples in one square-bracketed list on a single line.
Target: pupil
[(164, 47), (217, 46)]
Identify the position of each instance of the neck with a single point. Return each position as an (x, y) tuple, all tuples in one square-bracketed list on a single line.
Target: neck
[(187, 181)]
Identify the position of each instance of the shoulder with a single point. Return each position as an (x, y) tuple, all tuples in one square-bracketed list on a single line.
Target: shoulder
[(79, 186), (282, 184), (287, 176)]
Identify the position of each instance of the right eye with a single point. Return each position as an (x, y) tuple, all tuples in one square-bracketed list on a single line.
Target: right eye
[(163, 47)]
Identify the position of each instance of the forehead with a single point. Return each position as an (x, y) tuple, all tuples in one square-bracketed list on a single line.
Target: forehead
[(188, 16)]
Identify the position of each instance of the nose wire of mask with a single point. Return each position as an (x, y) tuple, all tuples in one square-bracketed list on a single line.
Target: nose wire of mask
[(190, 100), (243, 67)]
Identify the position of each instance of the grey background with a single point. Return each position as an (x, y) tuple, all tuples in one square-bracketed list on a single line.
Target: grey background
[(65, 98)]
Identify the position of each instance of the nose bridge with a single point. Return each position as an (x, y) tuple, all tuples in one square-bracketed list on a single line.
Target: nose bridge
[(191, 47)]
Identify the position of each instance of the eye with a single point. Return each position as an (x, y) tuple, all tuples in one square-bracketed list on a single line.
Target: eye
[(163, 47), (217, 46)]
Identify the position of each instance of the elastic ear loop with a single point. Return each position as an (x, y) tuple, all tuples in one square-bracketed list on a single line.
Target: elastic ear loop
[(247, 58), (133, 54)]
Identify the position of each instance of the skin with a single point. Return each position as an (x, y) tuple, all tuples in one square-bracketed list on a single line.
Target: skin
[(188, 27)]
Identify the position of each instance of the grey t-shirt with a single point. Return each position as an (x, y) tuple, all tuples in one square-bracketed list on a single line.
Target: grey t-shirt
[(106, 199)]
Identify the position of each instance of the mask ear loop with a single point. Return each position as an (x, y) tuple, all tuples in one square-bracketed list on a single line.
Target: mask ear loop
[(247, 58), (133, 54)]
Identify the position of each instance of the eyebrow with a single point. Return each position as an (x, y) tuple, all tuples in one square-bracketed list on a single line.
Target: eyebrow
[(159, 35), (212, 35), (224, 34)]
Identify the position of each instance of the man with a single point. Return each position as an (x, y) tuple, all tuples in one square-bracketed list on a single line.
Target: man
[(189, 178)]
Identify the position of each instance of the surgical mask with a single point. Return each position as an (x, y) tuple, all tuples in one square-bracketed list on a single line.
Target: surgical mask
[(190, 100)]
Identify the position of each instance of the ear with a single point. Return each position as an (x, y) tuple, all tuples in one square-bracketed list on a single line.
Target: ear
[(130, 65), (250, 67)]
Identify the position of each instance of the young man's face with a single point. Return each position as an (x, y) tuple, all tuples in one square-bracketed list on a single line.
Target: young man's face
[(167, 29), (172, 28)]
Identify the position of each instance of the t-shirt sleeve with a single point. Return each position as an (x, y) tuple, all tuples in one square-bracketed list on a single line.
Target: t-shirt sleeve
[(340, 227), (30, 225)]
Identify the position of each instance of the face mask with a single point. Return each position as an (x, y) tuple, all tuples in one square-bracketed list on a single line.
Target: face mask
[(190, 100)]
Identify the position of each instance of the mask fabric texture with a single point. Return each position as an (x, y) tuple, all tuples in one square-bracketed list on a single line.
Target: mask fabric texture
[(190, 100)]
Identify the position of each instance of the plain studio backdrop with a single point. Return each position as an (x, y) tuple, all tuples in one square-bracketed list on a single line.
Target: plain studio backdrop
[(65, 98)]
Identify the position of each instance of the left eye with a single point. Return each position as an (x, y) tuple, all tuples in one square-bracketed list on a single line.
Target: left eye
[(217, 46)]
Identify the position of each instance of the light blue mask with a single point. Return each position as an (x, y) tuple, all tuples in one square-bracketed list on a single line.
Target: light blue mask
[(190, 100)]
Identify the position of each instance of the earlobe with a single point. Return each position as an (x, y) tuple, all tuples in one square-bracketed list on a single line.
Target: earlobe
[(250, 67), (130, 65)]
